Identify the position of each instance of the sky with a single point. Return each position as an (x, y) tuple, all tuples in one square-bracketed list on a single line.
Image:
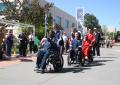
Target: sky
[(106, 11)]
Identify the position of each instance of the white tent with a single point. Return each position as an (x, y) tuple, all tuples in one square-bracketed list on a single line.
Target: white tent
[(16, 25)]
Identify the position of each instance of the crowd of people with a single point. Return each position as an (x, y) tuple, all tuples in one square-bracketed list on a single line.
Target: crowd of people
[(108, 43), (9, 41), (54, 39), (76, 38)]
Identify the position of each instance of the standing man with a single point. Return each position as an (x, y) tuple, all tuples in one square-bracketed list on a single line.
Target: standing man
[(23, 44), (96, 47), (65, 41), (9, 43), (31, 42)]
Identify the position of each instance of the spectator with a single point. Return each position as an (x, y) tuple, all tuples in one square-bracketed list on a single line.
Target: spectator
[(23, 44), (1, 53), (9, 43), (65, 41), (31, 42), (96, 47), (36, 44)]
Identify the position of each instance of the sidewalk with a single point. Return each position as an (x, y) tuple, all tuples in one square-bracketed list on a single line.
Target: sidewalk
[(16, 60), (117, 44)]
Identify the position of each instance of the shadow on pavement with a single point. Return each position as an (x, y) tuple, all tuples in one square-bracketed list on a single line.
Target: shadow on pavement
[(69, 69), (25, 60), (77, 68), (74, 69), (98, 63)]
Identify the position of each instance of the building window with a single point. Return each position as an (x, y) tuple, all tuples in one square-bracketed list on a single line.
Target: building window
[(2, 7), (58, 20), (66, 24), (73, 24), (50, 14)]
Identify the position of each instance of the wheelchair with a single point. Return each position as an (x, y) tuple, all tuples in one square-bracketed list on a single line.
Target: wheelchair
[(56, 59), (90, 57), (74, 56)]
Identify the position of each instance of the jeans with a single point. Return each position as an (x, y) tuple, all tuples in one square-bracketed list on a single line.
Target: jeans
[(96, 49), (22, 49), (41, 58), (8, 49), (31, 45)]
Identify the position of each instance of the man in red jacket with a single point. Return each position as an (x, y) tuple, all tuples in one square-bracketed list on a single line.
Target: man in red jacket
[(87, 43)]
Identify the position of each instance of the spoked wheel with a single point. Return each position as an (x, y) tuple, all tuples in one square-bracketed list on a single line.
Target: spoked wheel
[(91, 56), (82, 62), (79, 57), (58, 65), (91, 59), (69, 60)]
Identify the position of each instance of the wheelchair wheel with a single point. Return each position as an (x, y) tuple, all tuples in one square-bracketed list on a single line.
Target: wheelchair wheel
[(69, 60), (91, 56), (91, 59), (82, 63), (58, 65), (79, 57)]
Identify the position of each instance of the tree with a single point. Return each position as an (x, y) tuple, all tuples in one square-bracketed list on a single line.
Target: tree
[(2, 33), (90, 21), (104, 30), (29, 13)]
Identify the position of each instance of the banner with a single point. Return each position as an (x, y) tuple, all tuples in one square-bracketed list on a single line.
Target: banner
[(80, 14)]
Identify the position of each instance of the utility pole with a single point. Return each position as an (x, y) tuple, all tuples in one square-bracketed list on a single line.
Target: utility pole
[(46, 27)]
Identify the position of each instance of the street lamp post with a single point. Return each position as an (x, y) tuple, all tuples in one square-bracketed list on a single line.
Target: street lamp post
[(46, 27)]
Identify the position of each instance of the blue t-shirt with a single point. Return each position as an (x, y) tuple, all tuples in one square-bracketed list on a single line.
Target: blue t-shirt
[(9, 39), (74, 43)]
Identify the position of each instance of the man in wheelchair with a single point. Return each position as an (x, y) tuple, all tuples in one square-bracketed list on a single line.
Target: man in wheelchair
[(75, 48), (47, 48), (87, 45)]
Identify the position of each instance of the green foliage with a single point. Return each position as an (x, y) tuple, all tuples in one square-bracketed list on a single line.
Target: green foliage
[(111, 35), (90, 21), (40, 32), (118, 32), (3, 32), (50, 21), (104, 29)]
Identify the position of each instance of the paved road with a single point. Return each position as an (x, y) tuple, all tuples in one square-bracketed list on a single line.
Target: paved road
[(105, 70)]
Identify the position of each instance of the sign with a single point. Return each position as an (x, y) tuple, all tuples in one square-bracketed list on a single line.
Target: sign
[(80, 14)]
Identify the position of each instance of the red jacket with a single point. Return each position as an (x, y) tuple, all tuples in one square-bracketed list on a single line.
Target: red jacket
[(88, 41)]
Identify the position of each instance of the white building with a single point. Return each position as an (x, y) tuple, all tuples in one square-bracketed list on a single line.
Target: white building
[(62, 18)]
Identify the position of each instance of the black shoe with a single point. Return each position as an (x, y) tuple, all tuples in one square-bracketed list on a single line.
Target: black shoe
[(98, 55), (42, 71)]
